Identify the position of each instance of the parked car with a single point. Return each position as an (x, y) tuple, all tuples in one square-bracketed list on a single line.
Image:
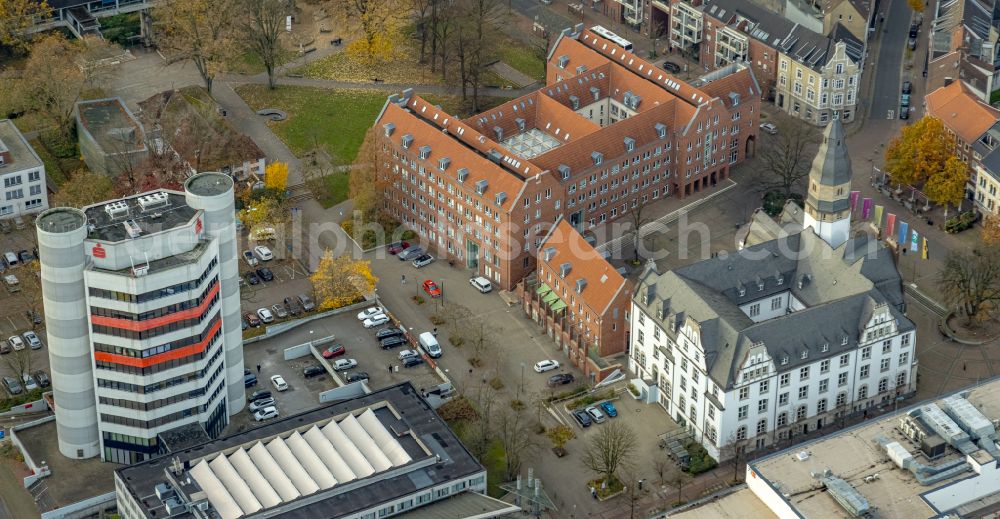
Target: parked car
[(335, 350), (279, 311), (252, 278), (12, 385), (546, 365), (252, 319), (43, 378), (344, 364), (609, 409), (307, 303), (357, 376), (265, 315), (4, 347), (410, 253), (595, 414), (397, 247), (428, 342), (265, 274), (313, 370), (560, 379), (260, 404), (769, 128), (907, 87), (671, 67), (424, 260), (279, 382), (266, 414), (249, 258), (582, 418), (481, 284), (431, 288), (904, 112), (392, 342), (413, 361), (904, 100), (16, 342), (391, 331), (407, 354), (293, 306), (10, 259), (368, 312), (29, 382), (244, 324), (375, 320), (32, 339), (260, 394), (33, 316), (249, 380), (263, 253), (25, 256)]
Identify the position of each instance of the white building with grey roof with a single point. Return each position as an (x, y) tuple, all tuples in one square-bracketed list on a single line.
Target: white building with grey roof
[(801, 326), (22, 175)]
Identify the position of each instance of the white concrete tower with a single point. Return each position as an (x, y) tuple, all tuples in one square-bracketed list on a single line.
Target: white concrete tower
[(213, 194), (62, 259), (828, 206)]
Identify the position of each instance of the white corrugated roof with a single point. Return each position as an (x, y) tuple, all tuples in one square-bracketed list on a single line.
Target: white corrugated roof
[(285, 468)]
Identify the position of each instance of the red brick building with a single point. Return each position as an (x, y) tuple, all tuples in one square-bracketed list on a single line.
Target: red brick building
[(608, 132), (580, 301)]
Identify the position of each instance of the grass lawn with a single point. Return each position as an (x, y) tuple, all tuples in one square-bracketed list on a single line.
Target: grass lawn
[(334, 119), (495, 462), (524, 58), (336, 185), (57, 170), (405, 68)]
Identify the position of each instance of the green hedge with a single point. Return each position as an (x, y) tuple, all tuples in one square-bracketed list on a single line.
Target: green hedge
[(30, 396), (700, 461)]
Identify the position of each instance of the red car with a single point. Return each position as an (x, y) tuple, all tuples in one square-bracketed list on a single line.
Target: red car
[(397, 247), (432, 289), (252, 319), (334, 351)]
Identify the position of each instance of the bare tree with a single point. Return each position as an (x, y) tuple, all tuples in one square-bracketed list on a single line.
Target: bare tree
[(20, 361), (423, 14), (735, 451), (660, 466), (971, 282), (613, 447), (262, 28), (200, 31), (786, 157), (513, 431), (481, 22), (678, 479), (638, 217), (632, 482), (481, 431)]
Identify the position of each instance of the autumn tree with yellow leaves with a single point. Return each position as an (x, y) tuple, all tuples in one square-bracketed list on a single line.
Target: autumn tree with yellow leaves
[(263, 212), (341, 281), (947, 186), (919, 152), (276, 176), (201, 31), (990, 234), (16, 17), (378, 22)]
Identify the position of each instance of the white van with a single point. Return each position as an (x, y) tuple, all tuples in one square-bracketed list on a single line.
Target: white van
[(10, 259), (12, 284), (482, 284), (429, 343)]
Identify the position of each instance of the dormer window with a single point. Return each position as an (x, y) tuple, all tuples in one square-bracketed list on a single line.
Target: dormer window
[(425, 151), (498, 131), (520, 123), (463, 173), (825, 348), (549, 253), (575, 102), (406, 141), (741, 290), (580, 285), (760, 285), (501, 198), (843, 342), (563, 171), (598, 158), (661, 130), (784, 360), (596, 92), (781, 279), (629, 144), (564, 269), (563, 61), (389, 128), (443, 163), (481, 186), (805, 354)]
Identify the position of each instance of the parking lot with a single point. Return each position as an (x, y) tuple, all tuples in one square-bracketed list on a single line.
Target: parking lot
[(290, 279), (13, 317)]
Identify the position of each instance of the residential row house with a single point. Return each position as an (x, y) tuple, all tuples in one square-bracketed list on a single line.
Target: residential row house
[(808, 74), (970, 122), (608, 132), (964, 45), (580, 301)]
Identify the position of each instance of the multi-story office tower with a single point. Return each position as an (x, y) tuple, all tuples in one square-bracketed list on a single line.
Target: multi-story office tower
[(141, 301)]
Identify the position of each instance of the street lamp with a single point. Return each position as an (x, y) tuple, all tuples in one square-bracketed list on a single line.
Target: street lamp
[(521, 387)]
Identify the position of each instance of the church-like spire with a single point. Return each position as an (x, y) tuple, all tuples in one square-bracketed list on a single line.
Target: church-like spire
[(828, 209), (832, 165)]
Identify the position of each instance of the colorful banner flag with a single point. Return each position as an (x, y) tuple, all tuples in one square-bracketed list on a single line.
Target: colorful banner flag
[(878, 216), (890, 224), (904, 233), (914, 242), (866, 209), (923, 253), (854, 200)]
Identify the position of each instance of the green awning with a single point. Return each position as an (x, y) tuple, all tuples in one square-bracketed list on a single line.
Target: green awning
[(543, 289), (558, 305), (550, 298)]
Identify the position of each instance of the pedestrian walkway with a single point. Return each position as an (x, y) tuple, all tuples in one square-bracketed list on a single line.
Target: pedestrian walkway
[(512, 74)]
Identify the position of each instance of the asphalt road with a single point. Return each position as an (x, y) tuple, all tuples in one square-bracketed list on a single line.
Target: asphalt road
[(536, 10), (896, 27)]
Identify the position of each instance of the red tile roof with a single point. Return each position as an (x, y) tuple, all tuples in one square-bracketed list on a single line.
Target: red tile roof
[(603, 283), (961, 111)]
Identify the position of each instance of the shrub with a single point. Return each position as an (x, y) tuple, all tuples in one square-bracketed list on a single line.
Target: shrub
[(457, 409), (700, 461), (475, 362), (634, 390), (30, 396), (58, 145), (496, 383), (517, 405), (566, 394), (592, 398), (418, 299), (456, 340), (437, 320)]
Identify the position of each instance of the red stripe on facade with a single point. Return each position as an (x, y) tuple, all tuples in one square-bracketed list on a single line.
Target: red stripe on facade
[(141, 326), (180, 353)]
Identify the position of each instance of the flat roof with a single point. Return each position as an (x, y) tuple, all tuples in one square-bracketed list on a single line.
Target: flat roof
[(111, 125), (22, 155), (855, 455), (466, 504), (739, 504), (150, 213), (390, 441)]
